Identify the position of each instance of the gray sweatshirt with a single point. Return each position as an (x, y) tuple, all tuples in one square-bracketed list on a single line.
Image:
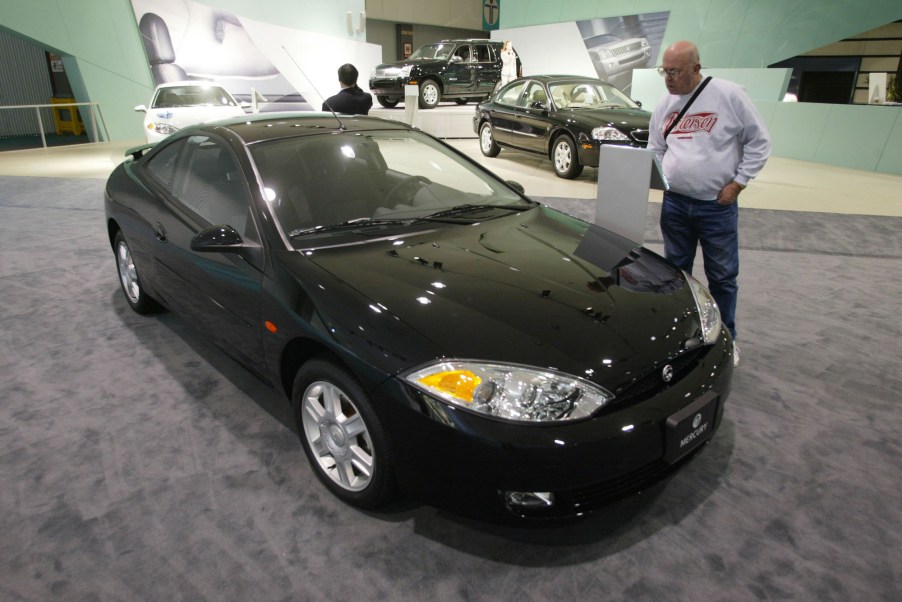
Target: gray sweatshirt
[(720, 139)]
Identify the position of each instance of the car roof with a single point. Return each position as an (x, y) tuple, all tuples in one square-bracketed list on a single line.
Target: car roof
[(262, 127), (466, 40), (547, 79), (192, 82)]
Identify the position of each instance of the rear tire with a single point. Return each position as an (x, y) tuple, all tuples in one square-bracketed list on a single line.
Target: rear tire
[(342, 435), (487, 140)]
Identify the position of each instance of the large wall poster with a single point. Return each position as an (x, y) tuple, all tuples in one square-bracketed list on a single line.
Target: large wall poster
[(617, 45), (185, 40)]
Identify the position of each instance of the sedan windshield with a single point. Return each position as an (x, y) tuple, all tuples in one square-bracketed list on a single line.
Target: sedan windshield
[(589, 95), (193, 96), (360, 181)]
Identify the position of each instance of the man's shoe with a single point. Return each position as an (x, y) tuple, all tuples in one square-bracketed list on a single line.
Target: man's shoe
[(735, 355)]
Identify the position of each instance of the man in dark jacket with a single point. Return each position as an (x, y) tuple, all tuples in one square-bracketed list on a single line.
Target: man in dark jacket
[(350, 100)]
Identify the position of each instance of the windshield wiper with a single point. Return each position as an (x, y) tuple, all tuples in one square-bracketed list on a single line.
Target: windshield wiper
[(359, 223), (468, 208)]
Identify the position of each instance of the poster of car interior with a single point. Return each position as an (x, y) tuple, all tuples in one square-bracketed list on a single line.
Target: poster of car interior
[(187, 40), (617, 45)]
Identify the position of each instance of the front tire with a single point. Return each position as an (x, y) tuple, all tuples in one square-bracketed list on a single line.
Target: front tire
[(137, 297), (487, 141), (565, 158), (342, 436), (389, 102), (430, 94)]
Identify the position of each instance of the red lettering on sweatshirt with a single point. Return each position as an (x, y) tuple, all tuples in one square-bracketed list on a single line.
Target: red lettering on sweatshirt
[(690, 124)]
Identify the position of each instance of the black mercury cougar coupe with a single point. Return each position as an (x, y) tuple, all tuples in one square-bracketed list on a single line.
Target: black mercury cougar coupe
[(437, 333), (563, 117)]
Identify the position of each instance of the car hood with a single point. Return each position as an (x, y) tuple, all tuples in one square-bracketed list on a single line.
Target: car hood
[(625, 119), (183, 116), (539, 288)]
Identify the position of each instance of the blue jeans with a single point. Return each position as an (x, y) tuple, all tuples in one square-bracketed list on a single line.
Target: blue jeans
[(686, 222)]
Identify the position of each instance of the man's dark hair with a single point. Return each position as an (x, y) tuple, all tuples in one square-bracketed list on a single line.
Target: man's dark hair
[(347, 74)]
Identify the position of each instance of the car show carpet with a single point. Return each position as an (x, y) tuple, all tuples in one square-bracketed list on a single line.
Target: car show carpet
[(137, 462)]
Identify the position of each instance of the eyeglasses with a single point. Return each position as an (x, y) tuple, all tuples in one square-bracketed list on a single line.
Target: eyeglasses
[(672, 73)]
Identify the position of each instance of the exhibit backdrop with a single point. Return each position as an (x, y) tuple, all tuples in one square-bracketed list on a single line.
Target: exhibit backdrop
[(293, 69), (609, 48)]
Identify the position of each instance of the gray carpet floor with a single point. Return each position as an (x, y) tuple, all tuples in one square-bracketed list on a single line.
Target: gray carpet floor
[(139, 463)]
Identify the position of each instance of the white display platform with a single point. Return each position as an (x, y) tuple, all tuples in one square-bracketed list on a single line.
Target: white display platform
[(447, 120)]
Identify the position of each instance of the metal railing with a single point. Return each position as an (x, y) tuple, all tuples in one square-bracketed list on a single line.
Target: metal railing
[(93, 118)]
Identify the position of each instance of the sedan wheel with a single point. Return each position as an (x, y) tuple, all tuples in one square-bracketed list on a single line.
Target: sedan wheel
[(342, 436), (430, 94), (139, 300), (565, 158), (487, 141)]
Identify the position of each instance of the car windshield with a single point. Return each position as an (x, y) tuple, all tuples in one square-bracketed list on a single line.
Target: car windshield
[(366, 181), (193, 96), (589, 95), (433, 51)]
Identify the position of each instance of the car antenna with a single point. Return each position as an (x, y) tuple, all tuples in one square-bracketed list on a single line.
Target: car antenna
[(341, 126)]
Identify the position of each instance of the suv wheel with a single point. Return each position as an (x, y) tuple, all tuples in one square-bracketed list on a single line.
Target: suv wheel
[(389, 102), (430, 94)]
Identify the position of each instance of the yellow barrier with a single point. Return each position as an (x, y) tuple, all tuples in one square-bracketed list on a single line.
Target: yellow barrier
[(66, 118)]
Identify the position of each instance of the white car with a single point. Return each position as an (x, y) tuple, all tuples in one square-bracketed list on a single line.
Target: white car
[(177, 104)]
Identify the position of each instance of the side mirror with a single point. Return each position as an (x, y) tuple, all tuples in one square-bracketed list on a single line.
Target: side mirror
[(141, 109), (220, 238), (638, 103), (516, 186), (537, 105)]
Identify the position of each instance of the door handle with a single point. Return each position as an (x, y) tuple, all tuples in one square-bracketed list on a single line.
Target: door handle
[(159, 232)]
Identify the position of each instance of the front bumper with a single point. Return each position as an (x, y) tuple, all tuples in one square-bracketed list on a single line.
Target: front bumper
[(468, 463), (388, 87)]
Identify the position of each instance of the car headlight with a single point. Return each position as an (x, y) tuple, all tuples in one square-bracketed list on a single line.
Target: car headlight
[(607, 134), (708, 312), (163, 128), (405, 70), (510, 392)]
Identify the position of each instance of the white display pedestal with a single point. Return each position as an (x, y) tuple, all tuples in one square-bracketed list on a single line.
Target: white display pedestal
[(412, 105), (625, 175)]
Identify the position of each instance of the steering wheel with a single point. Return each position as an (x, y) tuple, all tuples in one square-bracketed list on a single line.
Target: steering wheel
[(411, 181)]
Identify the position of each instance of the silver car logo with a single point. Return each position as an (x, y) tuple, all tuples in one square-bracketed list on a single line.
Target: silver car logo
[(696, 421), (667, 373)]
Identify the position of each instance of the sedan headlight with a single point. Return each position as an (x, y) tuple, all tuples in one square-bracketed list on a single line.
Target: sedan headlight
[(607, 134), (510, 392), (708, 312), (162, 128)]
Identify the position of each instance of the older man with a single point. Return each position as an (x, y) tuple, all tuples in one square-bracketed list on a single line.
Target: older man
[(709, 156)]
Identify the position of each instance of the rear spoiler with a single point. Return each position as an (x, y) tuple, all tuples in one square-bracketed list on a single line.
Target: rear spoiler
[(137, 152)]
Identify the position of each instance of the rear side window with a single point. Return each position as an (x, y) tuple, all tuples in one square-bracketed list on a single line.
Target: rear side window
[(162, 166), (483, 53)]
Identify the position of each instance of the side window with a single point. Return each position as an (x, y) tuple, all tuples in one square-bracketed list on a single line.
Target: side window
[(483, 53), (513, 95), (535, 93), (463, 52), (212, 184), (162, 166)]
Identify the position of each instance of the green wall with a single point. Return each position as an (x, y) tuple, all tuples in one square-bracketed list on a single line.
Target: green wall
[(749, 35)]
